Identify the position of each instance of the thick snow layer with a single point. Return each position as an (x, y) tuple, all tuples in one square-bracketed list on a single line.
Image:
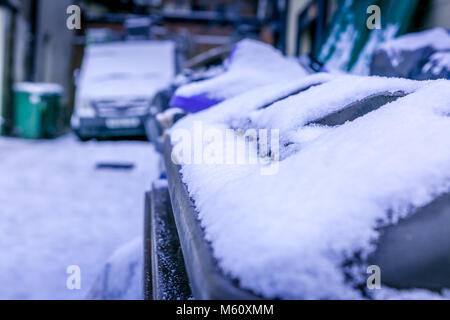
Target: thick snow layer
[(136, 69), (231, 111), (296, 111), (288, 234), (39, 88), (58, 210), (251, 64), (437, 38)]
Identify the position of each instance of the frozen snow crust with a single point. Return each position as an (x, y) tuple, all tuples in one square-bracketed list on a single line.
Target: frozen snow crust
[(287, 235)]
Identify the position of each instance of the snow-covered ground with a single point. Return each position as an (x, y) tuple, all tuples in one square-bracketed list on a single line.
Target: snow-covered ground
[(57, 209)]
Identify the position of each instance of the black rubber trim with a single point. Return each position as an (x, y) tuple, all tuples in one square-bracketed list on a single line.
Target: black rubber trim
[(206, 279), (147, 274), (359, 108)]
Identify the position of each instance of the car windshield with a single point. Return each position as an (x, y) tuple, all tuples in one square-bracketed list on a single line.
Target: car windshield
[(129, 61)]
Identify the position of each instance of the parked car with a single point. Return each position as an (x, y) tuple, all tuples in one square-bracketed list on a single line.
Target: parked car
[(117, 86), (201, 67)]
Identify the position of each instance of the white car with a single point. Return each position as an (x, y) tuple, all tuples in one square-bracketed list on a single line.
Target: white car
[(117, 84)]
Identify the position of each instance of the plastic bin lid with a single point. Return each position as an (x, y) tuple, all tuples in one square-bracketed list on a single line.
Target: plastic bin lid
[(40, 88)]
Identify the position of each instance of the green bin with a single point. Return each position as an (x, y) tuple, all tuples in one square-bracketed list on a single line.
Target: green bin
[(36, 109)]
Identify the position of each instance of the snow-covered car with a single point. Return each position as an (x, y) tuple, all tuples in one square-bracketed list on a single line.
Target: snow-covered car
[(117, 85), (251, 64), (355, 177), (212, 77), (421, 56), (202, 67)]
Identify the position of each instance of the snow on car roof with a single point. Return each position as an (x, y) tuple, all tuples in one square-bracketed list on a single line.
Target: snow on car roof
[(233, 109), (328, 98), (130, 68), (251, 64), (287, 235), (437, 38), (439, 62)]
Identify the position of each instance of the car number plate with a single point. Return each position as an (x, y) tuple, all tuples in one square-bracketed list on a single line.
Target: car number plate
[(122, 123)]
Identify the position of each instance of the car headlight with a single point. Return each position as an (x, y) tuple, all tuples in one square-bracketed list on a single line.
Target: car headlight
[(85, 109)]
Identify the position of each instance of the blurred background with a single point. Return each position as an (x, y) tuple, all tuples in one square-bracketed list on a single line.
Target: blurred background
[(36, 47)]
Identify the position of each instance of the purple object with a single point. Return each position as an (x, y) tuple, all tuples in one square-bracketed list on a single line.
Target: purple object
[(194, 103), (201, 101)]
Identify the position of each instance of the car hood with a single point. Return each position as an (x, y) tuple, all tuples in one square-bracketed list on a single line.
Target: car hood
[(114, 88)]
